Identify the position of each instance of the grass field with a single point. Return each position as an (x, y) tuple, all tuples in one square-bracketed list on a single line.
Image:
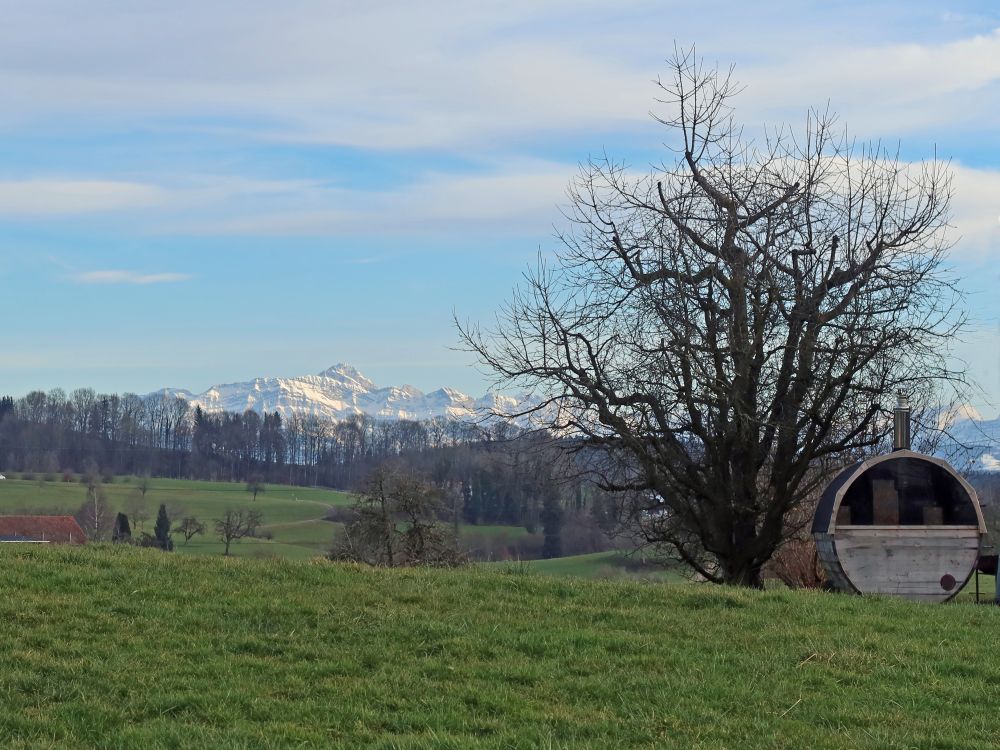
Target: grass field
[(292, 515), (610, 565), (122, 647)]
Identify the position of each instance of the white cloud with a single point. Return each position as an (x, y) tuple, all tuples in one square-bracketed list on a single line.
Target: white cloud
[(478, 80), (456, 75), (388, 75), (975, 205), (989, 463), (520, 197), (53, 197), (882, 89), (127, 277)]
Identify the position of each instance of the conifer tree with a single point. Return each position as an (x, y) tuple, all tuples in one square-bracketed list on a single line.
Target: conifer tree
[(162, 529), (122, 532)]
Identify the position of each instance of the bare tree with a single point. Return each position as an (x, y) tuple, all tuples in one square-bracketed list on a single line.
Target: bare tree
[(144, 484), (236, 524), (727, 328), (189, 527), (255, 485), (136, 509), (95, 516), (398, 523)]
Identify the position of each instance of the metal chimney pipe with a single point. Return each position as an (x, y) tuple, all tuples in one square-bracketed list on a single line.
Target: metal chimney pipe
[(901, 424)]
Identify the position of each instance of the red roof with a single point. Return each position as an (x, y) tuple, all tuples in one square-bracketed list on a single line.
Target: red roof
[(59, 529)]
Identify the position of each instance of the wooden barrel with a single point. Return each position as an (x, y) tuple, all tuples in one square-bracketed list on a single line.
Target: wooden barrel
[(903, 524)]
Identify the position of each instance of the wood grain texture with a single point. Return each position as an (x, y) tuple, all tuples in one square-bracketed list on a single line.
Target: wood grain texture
[(907, 561)]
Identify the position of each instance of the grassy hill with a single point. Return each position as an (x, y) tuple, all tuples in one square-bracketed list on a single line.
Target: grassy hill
[(294, 525), (121, 647), (610, 565), (293, 516)]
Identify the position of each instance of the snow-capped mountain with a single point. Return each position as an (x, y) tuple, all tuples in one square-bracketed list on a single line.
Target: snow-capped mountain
[(337, 393), (971, 443)]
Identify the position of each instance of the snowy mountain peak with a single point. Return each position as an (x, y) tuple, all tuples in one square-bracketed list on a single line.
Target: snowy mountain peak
[(337, 393), (349, 375)]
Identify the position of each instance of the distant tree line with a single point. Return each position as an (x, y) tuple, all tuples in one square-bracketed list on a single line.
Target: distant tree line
[(163, 436), (485, 474)]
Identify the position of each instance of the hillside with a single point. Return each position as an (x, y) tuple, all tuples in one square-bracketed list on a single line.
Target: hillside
[(293, 516), (119, 647), (295, 524)]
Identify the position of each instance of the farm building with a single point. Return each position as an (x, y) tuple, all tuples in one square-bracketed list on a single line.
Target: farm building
[(41, 529)]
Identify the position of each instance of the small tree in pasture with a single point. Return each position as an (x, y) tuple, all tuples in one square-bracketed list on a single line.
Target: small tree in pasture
[(235, 525), (143, 484), (255, 485), (95, 516), (136, 509), (162, 529), (398, 522), (189, 527)]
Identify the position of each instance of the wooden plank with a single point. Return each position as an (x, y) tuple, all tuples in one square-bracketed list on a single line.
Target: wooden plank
[(875, 543), (899, 530), (909, 566), (846, 544)]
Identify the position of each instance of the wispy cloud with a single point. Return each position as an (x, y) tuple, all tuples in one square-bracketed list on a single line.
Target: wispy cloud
[(127, 277), (522, 195), (48, 197), (384, 75), (884, 89), (976, 208)]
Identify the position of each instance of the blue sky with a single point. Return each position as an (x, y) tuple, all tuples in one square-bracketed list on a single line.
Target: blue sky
[(194, 193)]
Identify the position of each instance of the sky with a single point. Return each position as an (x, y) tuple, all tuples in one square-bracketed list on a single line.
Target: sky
[(197, 193)]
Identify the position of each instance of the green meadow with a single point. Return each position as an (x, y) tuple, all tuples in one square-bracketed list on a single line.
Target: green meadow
[(293, 528), (119, 647), (610, 565), (293, 516)]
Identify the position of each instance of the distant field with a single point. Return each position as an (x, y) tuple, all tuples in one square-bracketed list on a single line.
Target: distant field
[(292, 515), (118, 647), (987, 589)]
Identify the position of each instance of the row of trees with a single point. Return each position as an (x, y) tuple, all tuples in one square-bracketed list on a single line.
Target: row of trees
[(492, 475), (163, 436), (95, 518)]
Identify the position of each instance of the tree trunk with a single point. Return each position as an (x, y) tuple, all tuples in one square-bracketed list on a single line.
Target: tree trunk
[(745, 574)]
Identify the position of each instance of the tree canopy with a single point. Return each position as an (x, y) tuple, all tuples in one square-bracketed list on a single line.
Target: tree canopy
[(728, 326)]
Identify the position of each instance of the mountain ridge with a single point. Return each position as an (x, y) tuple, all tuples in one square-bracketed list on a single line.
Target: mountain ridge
[(337, 393)]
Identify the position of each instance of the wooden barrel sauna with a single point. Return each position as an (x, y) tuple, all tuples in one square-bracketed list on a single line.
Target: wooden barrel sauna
[(904, 524)]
